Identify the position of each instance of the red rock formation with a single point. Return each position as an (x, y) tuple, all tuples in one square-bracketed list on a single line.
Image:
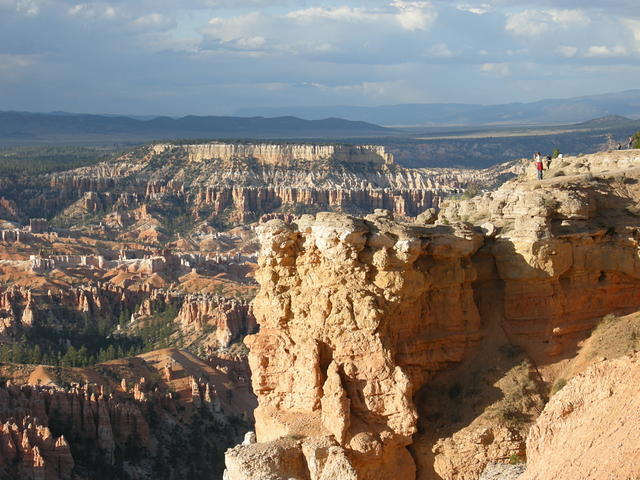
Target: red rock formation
[(231, 318), (339, 361), (90, 417), (30, 450), (356, 315)]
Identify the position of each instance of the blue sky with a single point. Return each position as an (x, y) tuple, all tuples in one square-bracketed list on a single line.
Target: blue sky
[(215, 56)]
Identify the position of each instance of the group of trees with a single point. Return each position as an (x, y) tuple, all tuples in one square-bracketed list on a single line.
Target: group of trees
[(87, 340), (46, 159), (72, 356)]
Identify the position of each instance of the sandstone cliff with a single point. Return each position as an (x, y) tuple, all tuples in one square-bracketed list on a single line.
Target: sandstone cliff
[(358, 315)]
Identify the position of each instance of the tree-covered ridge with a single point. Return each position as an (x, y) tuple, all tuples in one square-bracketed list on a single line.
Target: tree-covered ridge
[(37, 160)]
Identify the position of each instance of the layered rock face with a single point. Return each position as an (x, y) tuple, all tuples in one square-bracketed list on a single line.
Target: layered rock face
[(33, 452), (29, 448), (235, 182), (282, 154), (567, 251), (356, 315), (214, 321), (351, 318), (20, 307)]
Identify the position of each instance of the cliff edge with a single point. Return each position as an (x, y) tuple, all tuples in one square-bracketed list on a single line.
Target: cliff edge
[(373, 329)]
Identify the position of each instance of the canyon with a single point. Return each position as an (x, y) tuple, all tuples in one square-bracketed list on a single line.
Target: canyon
[(230, 183), (105, 428), (318, 312)]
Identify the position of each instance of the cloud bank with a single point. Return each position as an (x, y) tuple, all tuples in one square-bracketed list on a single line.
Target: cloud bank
[(215, 56)]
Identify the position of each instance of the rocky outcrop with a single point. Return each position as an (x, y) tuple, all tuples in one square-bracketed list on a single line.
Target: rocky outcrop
[(231, 319), (566, 252), (589, 428), (340, 362), (30, 447), (130, 424), (30, 451), (21, 306), (501, 471), (358, 314), (280, 154)]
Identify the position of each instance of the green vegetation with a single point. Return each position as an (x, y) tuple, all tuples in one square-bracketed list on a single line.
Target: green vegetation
[(85, 341), (635, 140), (72, 356), (158, 329), (550, 203), (46, 159), (555, 153), (516, 459), (519, 397), (472, 190), (558, 385)]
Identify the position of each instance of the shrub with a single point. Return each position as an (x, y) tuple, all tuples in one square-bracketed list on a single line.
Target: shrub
[(558, 385), (606, 321), (516, 459), (471, 191)]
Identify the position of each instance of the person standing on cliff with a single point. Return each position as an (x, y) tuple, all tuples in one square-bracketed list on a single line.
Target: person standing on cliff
[(539, 166)]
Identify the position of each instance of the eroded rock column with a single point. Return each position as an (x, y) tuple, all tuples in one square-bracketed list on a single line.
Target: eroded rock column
[(354, 314)]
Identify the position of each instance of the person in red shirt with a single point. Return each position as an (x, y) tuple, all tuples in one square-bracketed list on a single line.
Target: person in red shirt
[(539, 166)]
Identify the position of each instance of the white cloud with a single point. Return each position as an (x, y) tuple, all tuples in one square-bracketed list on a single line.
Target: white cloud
[(497, 69), (634, 28), (534, 23), (411, 15), (414, 16), (567, 51), (229, 29), (476, 9), (344, 14), (25, 7), (93, 11), (604, 51), (251, 43), (440, 50), (153, 21)]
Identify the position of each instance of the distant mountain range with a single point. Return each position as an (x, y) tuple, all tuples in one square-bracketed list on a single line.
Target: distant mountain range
[(60, 127), (543, 112)]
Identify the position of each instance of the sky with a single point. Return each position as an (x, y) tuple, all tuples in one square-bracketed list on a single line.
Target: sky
[(212, 57)]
